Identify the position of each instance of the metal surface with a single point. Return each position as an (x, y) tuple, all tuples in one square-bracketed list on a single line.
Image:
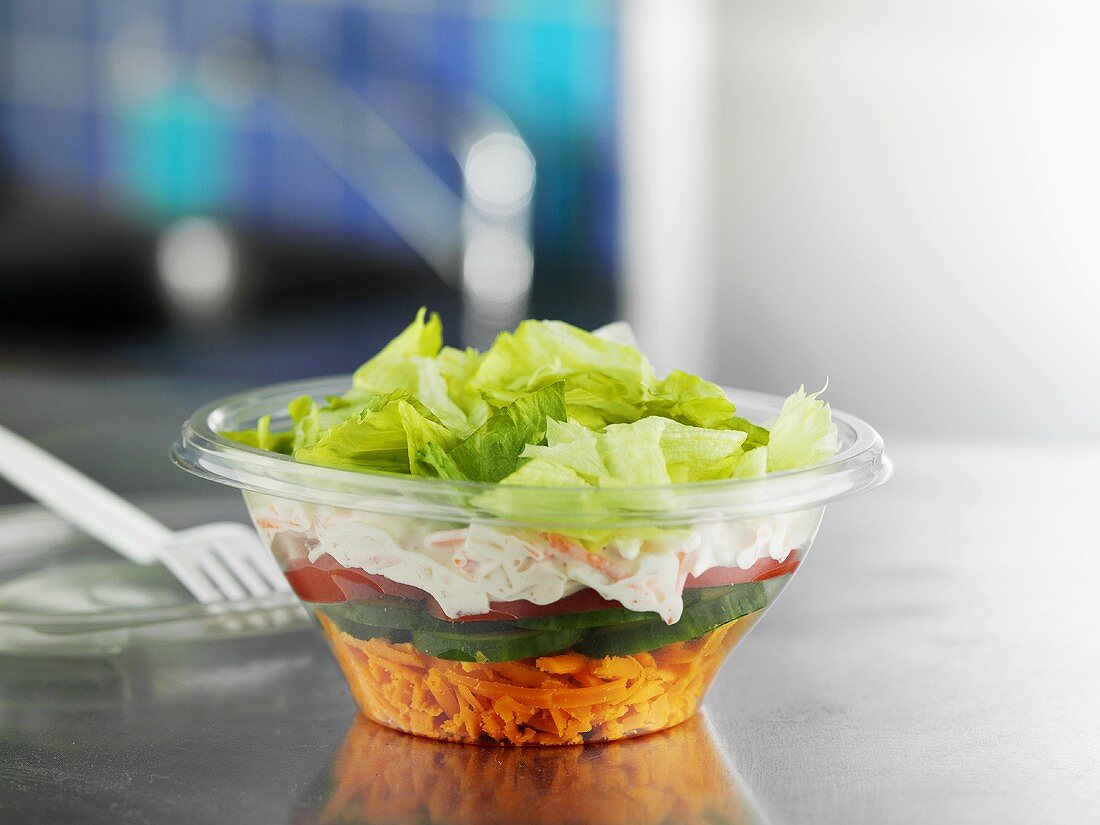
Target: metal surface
[(936, 660)]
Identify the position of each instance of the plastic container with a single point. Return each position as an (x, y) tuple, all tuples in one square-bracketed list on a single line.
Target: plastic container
[(383, 562)]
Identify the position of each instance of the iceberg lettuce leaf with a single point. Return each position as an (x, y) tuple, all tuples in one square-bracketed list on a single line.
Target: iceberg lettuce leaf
[(699, 454), (423, 338), (373, 437), (492, 451), (751, 464), (650, 452), (547, 405), (803, 435), (409, 362), (421, 432), (692, 400), (604, 379), (633, 454), (457, 366), (570, 451), (434, 461), (262, 437)]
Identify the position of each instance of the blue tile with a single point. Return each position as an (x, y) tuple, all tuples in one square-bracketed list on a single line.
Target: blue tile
[(205, 22), (60, 18), (305, 189), (355, 54), (50, 147), (7, 115), (306, 32), (362, 223), (401, 45), (451, 61), (112, 16)]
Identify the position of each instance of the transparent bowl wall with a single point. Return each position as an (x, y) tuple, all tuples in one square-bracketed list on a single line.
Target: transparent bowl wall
[(597, 673)]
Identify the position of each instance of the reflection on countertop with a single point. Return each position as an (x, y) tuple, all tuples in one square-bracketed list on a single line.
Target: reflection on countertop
[(679, 776), (168, 732), (184, 683)]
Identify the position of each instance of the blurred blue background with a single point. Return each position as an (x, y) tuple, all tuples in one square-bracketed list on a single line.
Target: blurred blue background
[(140, 114), (135, 106)]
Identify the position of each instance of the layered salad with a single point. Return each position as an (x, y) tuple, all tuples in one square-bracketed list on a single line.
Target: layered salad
[(535, 624)]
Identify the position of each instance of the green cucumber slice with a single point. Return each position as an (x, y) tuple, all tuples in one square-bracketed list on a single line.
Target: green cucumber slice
[(361, 630), (400, 614), (492, 646), (710, 609), (389, 612), (590, 618), (622, 615), (617, 631)]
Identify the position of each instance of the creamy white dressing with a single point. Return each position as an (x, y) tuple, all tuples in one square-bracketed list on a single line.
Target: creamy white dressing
[(468, 567)]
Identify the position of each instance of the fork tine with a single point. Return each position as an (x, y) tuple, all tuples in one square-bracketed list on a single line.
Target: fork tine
[(198, 585), (246, 573), (213, 567), (263, 562), (223, 561)]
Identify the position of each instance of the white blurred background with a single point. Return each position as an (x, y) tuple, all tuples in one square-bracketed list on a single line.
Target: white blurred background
[(901, 196)]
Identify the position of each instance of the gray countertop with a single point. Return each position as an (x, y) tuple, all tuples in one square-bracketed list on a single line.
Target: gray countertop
[(937, 659)]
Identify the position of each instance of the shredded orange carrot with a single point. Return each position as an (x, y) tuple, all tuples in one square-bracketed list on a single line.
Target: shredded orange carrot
[(552, 700), (564, 663), (675, 776)]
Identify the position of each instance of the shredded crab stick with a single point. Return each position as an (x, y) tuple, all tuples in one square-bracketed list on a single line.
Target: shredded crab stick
[(564, 699), (381, 776)]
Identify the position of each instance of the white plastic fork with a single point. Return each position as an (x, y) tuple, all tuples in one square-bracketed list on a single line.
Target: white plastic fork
[(217, 562)]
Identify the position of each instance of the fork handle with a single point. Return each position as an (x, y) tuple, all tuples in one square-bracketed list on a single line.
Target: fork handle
[(80, 501)]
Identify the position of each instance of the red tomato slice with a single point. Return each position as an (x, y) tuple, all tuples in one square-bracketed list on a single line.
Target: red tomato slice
[(326, 581), (789, 566), (763, 569), (312, 584), (580, 602)]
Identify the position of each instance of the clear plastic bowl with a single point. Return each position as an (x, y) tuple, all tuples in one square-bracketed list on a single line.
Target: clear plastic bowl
[(556, 666)]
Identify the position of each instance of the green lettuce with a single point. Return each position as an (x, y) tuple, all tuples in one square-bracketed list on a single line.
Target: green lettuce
[(653, 451), (262, 437), (433, 460), (803, 435), (692, 400), (410, 362), (605, 380), (457, 366), (699, 454), (375, 436), (422, 433), (548, 405), (420, 338), (751, 464), (492, 451), (571, 450)]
